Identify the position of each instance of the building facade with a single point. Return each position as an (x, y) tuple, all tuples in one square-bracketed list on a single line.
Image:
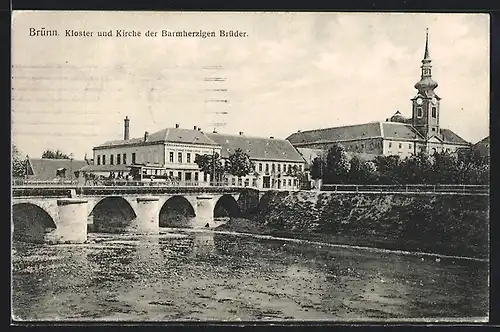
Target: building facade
[(174, 150), (276, 162), (171, 149), (396, 135)]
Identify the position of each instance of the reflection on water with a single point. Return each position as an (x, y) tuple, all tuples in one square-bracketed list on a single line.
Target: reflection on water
[(211, 276)]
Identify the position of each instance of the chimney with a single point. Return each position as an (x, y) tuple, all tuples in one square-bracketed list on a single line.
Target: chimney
[(215, 131), (199, 129), (241, 133), (126, 129), (146, 135), (176, 125), (195, 128), (271, 137)]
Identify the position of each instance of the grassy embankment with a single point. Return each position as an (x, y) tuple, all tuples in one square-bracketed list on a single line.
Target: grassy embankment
[(444, 224)]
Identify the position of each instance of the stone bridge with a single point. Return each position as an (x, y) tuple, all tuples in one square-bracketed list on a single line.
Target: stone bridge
[(65, 214)]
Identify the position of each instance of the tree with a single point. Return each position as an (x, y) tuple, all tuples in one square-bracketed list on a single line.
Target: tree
[(318, 165), (388, 169), (361, 172), (444, 168), (18, 163), (337, 165), (211, 164), (49, 154), (416, 169), (239, 164)]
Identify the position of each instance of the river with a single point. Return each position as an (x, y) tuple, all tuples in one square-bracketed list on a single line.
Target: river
[(206, 275)]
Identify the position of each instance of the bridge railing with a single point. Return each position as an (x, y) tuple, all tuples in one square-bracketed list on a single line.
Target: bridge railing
[(407, 188), (118, 183)]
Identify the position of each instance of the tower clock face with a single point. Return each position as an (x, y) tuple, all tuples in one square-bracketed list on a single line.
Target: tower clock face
[(419, 101), (434, 100)]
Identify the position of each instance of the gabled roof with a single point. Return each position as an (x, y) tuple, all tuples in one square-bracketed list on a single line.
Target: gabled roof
[(450, 137), (366, 130), (395, 130), (46, 169), (258, 148), (174, 135)]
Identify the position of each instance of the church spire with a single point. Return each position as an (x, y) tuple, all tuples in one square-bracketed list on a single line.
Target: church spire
[(427, 58)]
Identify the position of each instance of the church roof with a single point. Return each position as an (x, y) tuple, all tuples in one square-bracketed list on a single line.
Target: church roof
[(387, 130), (257, 147), (366, 130)]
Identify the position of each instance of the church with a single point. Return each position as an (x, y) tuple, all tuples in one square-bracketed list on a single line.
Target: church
[(396, 135)]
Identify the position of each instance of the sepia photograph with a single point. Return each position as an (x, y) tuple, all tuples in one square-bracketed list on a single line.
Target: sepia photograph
[(250, 167)]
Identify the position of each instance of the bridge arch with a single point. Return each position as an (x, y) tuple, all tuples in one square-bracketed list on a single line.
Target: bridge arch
[(111, 214), (177, 211), (226, 206), (31, 222)]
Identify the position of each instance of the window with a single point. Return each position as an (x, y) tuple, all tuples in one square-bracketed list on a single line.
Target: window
[(279, 168), (133, 157), (260, 167), (409, 146), (125, 158), (205, 177), (179, 157), (419, 112), (171, 157), (233, 181), (300, 168), (239, 182), (118, 159), (187, 176), (433, 129), (196, 176), (289, 168), (111, 159), (390, 144), (247, 182), (267, 168), (289, 182), (171, 174), (434, 112), (272, 168), (400, 145), (98, 160), (254, 182), (188, 158), (104, 159), (179, 175)]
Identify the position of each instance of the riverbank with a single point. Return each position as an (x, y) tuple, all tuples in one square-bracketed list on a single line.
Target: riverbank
[(454, 225)]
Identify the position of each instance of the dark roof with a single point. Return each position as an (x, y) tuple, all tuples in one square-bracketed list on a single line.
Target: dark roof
[(450, 137), (391, 130), (176, 135), (46, 169), (483, 146), (365, 130), (257, 147), (395, 130)]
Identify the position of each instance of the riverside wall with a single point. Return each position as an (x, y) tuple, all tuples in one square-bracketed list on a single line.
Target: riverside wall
[(438, 223)]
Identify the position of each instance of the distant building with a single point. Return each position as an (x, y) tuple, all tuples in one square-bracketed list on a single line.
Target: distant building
[(397, 135), (171, 149), (42, 169), (174, 150), (274, 160), (483, 147)]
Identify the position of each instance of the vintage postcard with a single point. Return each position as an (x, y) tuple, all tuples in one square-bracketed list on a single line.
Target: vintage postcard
[(250, 166)]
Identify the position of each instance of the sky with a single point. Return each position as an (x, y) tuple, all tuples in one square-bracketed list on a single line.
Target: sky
[(292, 71)]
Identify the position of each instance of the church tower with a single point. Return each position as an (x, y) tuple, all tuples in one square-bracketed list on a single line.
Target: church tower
[(425, 105)]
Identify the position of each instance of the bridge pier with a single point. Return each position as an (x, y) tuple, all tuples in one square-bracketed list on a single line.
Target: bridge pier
[(147, 220), (71, 226), (204, 211)]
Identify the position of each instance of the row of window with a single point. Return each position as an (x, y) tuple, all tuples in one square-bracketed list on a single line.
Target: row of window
[(420, 112), (277, 167), (189, 160), (400, 145), (120, 159)]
